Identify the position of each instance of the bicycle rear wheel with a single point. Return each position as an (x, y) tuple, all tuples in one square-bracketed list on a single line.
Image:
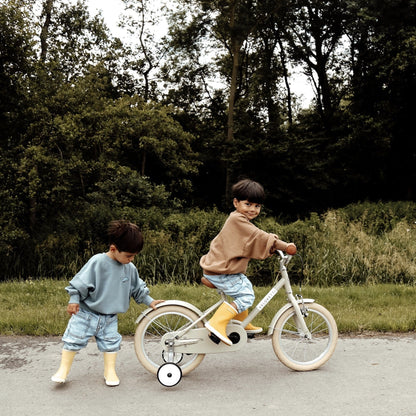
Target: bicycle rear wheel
[(147, 340), (297, 352)]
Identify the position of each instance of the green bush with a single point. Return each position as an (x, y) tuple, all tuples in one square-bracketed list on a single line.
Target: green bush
[(359, 244), (171, 253), (351, 252), (379, 218)]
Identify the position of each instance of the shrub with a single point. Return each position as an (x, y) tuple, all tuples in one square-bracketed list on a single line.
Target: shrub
[(359, 244)]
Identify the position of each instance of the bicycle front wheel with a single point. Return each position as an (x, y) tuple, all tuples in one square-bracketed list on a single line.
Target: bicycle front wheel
[(296, 351), (149, 333)]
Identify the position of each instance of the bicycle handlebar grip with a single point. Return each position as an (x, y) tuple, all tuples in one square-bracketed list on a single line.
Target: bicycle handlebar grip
[(291, 249)]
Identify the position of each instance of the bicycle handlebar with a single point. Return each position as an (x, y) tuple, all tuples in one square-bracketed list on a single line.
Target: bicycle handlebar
[(283, 255), (280, 253)]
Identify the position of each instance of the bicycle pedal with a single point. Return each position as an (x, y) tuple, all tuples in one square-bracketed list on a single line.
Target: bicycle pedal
[(214, 338)]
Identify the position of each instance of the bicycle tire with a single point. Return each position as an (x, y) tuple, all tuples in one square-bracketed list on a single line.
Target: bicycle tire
[(149, 332), (297, 352)]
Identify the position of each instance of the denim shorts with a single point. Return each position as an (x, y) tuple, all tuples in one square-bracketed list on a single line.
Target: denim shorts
[(237, 286), (84, 325)]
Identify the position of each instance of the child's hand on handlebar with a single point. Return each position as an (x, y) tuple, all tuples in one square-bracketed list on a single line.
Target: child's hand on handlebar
[(289, 248)]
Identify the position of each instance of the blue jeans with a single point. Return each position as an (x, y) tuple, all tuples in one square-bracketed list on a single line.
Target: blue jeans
[(236, 286), (84, 325)]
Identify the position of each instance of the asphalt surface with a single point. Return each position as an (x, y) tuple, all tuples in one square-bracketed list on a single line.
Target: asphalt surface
[(366, 376)]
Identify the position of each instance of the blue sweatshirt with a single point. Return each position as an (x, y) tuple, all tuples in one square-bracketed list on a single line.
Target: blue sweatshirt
[(105, 286)]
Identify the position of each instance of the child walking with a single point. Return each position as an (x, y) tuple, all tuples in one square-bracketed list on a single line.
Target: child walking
[(98, 292), (230, 251)]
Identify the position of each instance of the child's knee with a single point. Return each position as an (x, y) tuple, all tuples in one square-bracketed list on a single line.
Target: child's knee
[(244, 302)]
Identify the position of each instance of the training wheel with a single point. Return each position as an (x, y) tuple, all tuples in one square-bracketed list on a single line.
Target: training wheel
[(169, 374)]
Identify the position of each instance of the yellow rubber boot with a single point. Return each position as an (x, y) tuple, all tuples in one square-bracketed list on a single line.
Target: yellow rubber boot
[(250, 329), (218, 323), (66, 363), (110, 375)]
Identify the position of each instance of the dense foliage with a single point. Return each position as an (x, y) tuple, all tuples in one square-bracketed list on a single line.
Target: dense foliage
[(360, 244), (94, 128)]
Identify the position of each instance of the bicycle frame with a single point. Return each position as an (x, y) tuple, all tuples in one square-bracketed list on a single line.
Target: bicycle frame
[(172, 340), (201, 334), (282, 282)]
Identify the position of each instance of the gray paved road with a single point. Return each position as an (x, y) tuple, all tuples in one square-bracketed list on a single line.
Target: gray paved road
[(366, 376)]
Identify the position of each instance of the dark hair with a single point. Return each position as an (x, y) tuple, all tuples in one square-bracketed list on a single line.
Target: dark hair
[(249, 190), (125, 236)]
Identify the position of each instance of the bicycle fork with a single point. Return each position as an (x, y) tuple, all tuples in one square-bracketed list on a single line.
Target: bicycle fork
[(301, 312)]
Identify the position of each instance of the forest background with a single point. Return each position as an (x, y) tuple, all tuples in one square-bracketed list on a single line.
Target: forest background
[(155, 130)]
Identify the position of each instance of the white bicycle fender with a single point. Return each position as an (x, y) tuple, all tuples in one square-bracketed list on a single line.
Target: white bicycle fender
[(282, 310), (186, 305)]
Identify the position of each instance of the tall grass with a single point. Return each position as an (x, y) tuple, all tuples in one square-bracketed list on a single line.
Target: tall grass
[(364, 243), (338, 251), (39, 307), (361, 244)]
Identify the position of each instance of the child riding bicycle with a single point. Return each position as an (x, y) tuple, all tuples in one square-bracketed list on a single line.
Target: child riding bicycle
[(230, 251)]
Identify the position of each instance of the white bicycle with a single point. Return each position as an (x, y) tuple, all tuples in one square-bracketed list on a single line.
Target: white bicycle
[(171, 341)]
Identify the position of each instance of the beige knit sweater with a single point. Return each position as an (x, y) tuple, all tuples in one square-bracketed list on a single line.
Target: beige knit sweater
[(238, 241)]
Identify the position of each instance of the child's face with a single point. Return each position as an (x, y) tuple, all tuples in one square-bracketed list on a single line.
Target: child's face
[(250, 209), (122, 257)]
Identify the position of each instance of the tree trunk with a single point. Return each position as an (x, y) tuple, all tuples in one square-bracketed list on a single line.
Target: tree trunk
[(235, 51), (283, 61), (47, 14)]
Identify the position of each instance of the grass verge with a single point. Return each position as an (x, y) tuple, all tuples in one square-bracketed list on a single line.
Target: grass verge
[(39, 307)]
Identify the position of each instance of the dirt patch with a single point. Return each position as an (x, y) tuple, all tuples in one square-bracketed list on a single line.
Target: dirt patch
[(12, 349)]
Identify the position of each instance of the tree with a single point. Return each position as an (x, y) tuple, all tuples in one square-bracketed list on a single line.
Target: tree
[(225, 28), (383, 65), (146, 52), (17, 60), (314, 31), (77, 151), (17, 65)]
